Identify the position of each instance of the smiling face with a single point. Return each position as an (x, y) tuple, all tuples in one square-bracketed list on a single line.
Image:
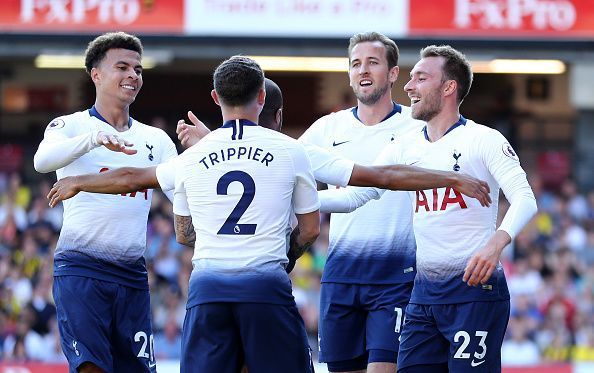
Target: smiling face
[(369, 75), (425, 88), (118, 76)]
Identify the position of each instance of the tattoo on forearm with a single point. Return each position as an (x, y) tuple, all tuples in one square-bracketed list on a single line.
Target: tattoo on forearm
[(296, 250), (184, 230)]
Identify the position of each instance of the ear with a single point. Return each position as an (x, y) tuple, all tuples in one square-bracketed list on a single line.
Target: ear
[(261, 96), (450, 87), (95, 75), (279, 117), (393, 74), (215, 97)]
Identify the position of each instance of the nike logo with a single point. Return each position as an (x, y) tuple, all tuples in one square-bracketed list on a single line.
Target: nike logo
[(152, 365), (476, 364), (340, 143)]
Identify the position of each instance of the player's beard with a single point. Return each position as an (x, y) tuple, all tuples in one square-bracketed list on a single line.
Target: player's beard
[(372, 97), (429, 107)]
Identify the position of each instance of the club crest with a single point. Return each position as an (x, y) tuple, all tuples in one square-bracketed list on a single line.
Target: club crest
[(150, 148), (456, 156)]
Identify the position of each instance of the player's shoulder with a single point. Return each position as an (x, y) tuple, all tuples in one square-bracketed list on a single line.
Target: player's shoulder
[(336, 118), (482, 131), (280, 139), (74, 120)]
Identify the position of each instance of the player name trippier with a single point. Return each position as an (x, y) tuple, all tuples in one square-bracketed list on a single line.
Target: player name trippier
[(237, 153)]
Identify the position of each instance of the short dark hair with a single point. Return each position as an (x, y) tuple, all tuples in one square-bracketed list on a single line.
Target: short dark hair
[(237, 80), (455, 67), (392, 53), (274, 101), (97, 48)]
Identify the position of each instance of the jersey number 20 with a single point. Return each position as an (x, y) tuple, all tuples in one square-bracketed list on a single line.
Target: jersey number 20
[(231, 225)]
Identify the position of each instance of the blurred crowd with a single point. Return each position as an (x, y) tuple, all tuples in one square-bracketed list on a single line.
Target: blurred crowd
[(550, 271)]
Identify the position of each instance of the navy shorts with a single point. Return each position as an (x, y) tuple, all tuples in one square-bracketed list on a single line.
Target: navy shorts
[(466, 336), (220, 337), (104, 323), (356, 320)]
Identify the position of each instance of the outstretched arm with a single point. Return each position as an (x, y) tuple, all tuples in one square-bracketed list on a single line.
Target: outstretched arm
[(403, 177), (57, 150), (121, 180)]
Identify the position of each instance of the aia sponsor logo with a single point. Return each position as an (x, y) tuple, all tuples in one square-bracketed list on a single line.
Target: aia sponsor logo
[(436, 201)]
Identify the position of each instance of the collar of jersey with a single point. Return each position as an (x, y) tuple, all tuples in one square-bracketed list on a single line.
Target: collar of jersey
[(237, 126), (238, 122), (395, 109), (94, 113), (460, 122)]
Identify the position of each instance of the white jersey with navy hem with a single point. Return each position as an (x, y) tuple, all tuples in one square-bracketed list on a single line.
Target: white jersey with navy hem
[(241, 182), (104, 227), (450, 227), (375, 244)]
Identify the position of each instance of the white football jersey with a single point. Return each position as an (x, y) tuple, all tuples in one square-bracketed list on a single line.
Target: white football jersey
[(450, 227), (241, 182), (374, 244), (105, 226)]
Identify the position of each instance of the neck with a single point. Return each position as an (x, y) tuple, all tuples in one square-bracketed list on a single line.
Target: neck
[(116, 116), (439, 125), (240, 112), (373, 114)]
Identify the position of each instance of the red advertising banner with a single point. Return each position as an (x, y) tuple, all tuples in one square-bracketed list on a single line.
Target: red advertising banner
[(502, 18), (151, 16)]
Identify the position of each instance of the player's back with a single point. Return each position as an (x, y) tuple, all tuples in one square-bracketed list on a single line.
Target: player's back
[(241, 183)]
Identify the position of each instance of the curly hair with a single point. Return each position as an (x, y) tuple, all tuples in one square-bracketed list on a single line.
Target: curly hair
[(97, 48)]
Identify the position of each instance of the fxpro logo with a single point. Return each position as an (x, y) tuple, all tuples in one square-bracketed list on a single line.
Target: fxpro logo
[(558, 15), (80, 11)]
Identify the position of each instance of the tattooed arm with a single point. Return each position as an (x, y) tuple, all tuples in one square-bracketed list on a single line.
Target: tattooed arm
[(184, 230), (303, 236)]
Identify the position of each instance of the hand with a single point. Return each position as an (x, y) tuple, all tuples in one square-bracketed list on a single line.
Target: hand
[(63, 189), (292, 261), (474, 188), (295, 250), (188, 134), (481, 265), (115, 143)]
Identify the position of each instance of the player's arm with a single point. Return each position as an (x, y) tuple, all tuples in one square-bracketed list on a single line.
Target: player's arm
[(303, 236), (184, 230), (60, 146), (121, 180), (404, 177), (334, 170), (522, 208), (504, 165), (305, 205)]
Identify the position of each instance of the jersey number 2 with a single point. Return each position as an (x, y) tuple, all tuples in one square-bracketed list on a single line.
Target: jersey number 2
[(231, 225)]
